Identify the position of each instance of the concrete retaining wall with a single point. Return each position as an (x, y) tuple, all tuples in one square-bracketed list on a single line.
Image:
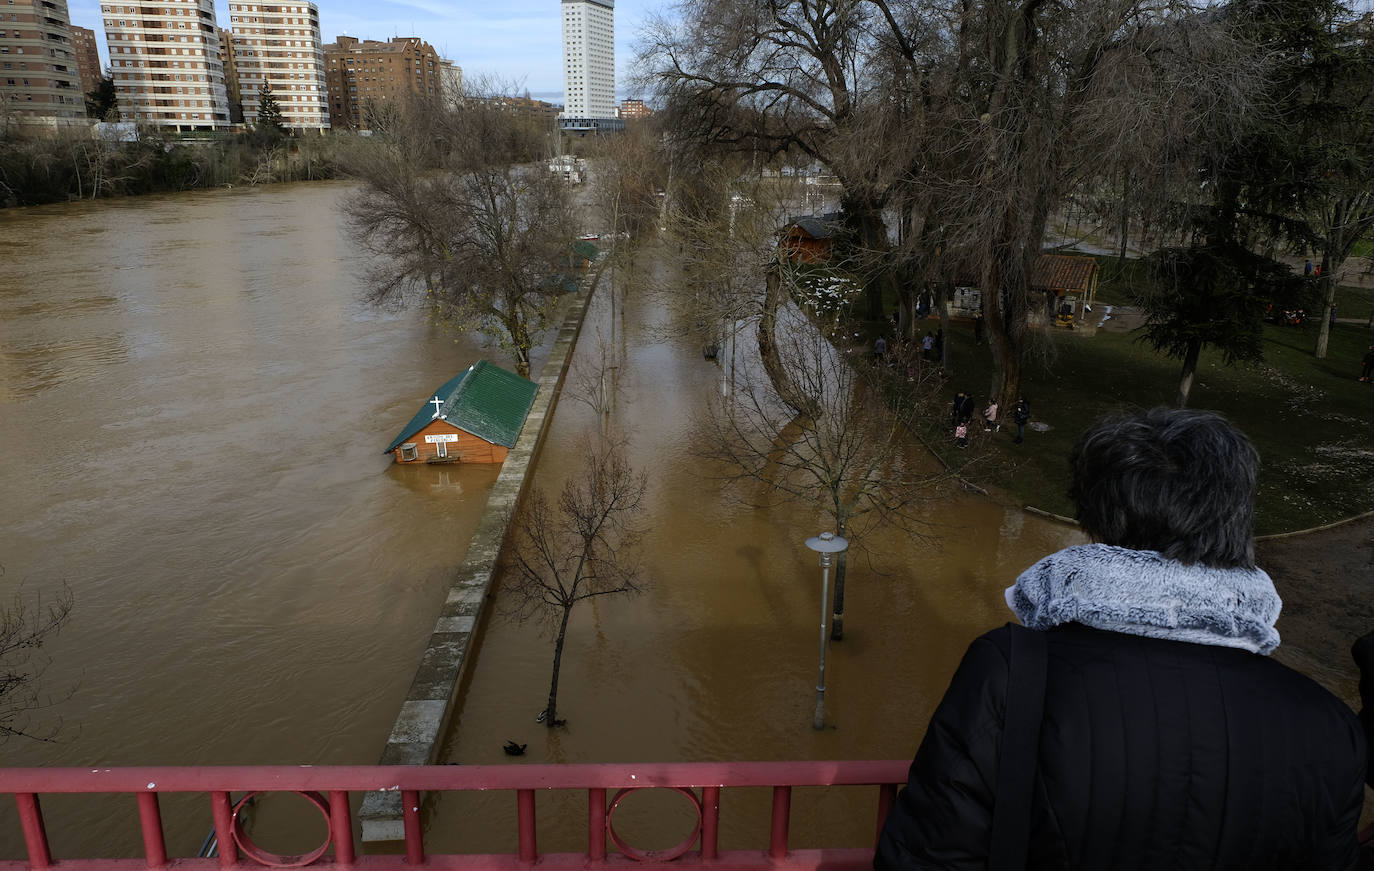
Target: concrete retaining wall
[(424, 716)]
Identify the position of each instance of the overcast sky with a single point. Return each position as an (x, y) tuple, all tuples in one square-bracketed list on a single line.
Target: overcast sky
[(514, 40)]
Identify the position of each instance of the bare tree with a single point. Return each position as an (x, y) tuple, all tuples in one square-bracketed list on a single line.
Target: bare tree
[(855, 454), (591, 380), (24, 628), (724, 222), (483, 240), (969, 121), (787, 77), (579, 549)]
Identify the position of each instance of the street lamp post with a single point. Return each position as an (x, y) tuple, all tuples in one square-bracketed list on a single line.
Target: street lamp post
[(825, 544)]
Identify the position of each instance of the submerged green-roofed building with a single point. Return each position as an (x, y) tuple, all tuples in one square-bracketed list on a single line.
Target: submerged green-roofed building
[(474, 417)]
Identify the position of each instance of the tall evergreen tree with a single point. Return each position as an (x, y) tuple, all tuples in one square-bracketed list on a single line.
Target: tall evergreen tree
[(269, 120), (102, 100)]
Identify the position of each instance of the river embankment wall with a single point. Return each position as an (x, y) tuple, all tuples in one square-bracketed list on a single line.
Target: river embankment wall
[(424, 717)]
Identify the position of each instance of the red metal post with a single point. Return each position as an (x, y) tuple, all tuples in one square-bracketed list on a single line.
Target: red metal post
[(782, 811), (35, 835), (223, 815), (415, 836), (710, 821), (154, 848), (596, 824), (524, 804), (887, 794), (341, 824)]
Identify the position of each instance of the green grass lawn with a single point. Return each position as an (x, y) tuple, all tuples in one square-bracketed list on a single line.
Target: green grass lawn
[(1311, 419), (1354, 302)]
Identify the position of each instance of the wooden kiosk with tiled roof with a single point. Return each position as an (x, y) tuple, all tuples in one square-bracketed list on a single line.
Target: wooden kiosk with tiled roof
[(1069, 283), (473, 418)]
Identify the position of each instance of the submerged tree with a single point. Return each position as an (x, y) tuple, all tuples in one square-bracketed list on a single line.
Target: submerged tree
[(852, 450), (968, 121), (24, 628), (485, 242), (581, 548)]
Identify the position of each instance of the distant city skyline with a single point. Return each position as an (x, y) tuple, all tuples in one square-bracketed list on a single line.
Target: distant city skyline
[(519, 42)]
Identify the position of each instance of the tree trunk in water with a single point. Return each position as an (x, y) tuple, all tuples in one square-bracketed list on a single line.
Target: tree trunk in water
[(786, 388), (551, 712), (837, 612), (520, 339), (1185, 379)]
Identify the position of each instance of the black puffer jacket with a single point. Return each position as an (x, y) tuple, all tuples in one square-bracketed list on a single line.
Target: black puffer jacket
[(1154, 754)]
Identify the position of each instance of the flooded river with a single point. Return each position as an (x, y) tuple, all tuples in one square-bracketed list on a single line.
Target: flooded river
[(193, 402)]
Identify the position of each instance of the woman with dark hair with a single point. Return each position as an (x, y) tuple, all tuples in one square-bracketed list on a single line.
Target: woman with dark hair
[(1149, 728)]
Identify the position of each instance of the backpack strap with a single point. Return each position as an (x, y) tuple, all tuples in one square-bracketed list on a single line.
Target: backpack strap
[(1019, 750)]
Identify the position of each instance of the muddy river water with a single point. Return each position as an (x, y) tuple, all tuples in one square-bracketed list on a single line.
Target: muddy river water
[(193, 404)]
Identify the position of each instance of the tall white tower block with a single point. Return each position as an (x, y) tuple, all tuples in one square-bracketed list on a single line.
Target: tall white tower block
[(589, 65)]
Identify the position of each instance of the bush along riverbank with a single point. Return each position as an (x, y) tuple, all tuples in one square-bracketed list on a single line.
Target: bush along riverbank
[(77, 165)]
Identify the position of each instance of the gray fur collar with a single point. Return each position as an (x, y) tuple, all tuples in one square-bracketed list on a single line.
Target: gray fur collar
[(1140, 592)]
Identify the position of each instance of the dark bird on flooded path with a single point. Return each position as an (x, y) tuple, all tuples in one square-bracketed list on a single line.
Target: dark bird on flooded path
[(513, 749)]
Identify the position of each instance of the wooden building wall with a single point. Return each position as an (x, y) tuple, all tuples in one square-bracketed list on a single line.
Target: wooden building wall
[(468, 449), (801, 247)]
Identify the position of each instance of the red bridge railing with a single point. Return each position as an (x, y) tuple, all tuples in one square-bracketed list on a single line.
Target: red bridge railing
[(328, 789)]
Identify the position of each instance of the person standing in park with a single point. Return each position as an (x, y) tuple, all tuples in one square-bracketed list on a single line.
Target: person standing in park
[(1020, 414), (978, 329), (990, 416), (1368, 369), (957, 410), (879, 350), (1135, 720)]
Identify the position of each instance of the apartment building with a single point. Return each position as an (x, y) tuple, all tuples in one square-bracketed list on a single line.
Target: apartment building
[(38, 72), (630, 109), (589, 66), (164, 56), (450, 79), (280, 45), (231, 75), (87, 57), (540, 114), (364, 75)]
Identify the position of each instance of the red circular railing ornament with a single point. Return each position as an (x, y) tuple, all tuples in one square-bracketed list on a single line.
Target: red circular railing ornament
[(275, 860), (667, 855)]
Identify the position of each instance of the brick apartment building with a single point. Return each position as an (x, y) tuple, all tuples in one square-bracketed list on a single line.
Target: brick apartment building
[(631, 109), (87, 58), (231, 75), (38, 72), (538, 113), (365, 73)]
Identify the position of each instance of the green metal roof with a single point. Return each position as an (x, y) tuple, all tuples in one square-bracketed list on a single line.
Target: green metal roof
[(485, 400)]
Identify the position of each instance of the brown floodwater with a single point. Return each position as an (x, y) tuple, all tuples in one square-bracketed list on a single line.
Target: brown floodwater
[(193, 402)]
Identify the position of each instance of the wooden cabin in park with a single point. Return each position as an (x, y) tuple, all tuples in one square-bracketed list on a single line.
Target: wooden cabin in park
[(1062, 279), (811, 239), (1069, 283), (473, 418)]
